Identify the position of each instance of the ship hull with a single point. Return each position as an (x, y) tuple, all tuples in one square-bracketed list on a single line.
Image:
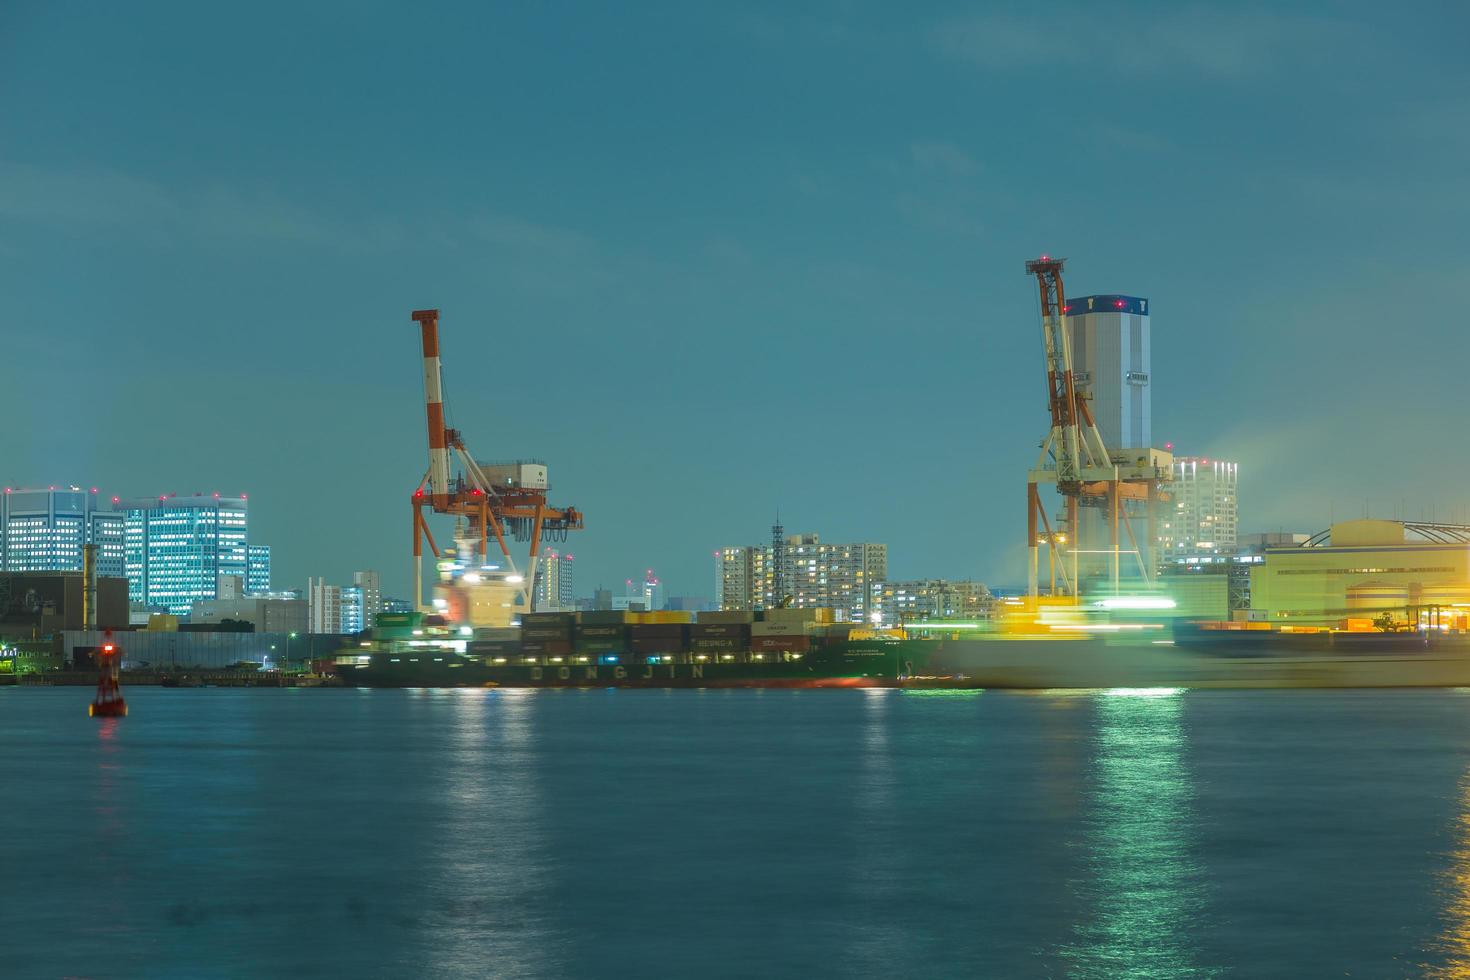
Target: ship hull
[(1238, 661), (882, 663)]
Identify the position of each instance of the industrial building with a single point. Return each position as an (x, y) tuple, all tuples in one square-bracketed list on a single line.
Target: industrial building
[(170, 650), (805, 570), (270, 612), (44, 530), (1364, 569), (1111, 353), (39, 603), (1200, 522)]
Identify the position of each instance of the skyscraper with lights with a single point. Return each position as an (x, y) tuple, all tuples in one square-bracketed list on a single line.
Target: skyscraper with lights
[(176, 548)]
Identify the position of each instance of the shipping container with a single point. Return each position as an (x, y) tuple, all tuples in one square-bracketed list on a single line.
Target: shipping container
[(497, 633), (727, 616), (483, 648), (740, 631), (768, 644), (659, 644), (769, 628), (546, 648), (659, 629), (546, 633), (718, 645), (603, 632), (663, 617), (603, 617), (600, 646), (548, 618)]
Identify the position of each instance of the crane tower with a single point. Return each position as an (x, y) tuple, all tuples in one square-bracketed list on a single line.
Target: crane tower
[(1075, 459), (498, 501)]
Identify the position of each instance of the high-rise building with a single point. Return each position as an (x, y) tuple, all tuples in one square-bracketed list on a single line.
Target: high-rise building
[(353, 616), (323, 606), (1110, 364), (652, 591), (45, 530), (553, 589), (258, 568), (934, 599), (372, 595), (1199, 522), (734, 578), (807, 571), (176, 548)]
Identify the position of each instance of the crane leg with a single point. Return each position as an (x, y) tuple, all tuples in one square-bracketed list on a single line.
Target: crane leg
[(1031, 547)]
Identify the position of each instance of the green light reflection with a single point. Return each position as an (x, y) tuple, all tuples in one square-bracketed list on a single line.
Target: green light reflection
[(1142, 888)]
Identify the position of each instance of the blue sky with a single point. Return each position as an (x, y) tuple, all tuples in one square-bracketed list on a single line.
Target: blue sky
[(712, 260)]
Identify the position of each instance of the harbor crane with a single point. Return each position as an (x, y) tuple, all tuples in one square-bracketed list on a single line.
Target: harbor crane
[(498, 501), (1076, 460)]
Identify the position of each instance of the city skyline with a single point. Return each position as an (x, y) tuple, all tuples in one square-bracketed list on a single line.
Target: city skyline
[(702, 276)]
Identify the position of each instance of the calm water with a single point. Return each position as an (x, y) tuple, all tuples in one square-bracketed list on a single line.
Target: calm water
[(740, 833)]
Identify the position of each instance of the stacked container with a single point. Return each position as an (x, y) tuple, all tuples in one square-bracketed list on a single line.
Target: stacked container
[(785, 630), (547, 634)]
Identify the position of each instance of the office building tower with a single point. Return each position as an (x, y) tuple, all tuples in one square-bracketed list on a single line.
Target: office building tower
[(258, 568), (176, 548), (553, 588), (1199, 523), (1110, 364), (45, 531)]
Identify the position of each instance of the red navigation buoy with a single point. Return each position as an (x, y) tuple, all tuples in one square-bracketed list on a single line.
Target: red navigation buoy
[(109, 702)]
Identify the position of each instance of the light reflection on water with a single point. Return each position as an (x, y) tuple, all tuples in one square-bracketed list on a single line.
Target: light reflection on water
[(1142, 889), (873, 880), (1454, 942), (487, 871), (1142, 833)]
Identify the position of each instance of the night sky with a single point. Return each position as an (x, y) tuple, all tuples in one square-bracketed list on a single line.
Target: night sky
[(710, 262)]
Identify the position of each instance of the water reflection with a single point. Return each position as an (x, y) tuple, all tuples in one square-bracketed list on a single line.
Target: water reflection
[(488, 907), (1455, 940), (875, 869), (1142, 888)]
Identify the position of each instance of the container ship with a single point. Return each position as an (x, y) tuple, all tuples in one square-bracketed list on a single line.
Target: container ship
[(771, 648), (806, 648)]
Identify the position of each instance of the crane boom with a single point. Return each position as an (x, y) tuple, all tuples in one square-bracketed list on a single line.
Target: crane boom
[(428, 321)]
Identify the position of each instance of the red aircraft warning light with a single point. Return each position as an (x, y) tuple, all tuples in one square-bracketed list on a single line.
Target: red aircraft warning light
[(109, 702)]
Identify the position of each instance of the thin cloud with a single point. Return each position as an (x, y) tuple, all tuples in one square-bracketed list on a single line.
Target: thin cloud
[(941, 157), (1218, 43), (143, 208)]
